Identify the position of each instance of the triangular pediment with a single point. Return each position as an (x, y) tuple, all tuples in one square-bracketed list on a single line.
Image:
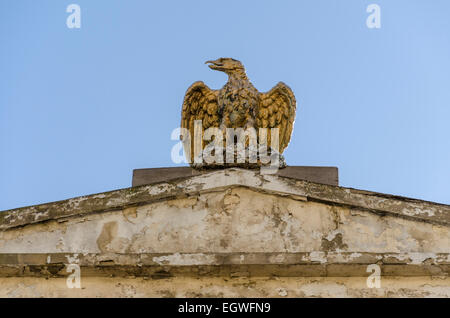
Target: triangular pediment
[(233, 217)]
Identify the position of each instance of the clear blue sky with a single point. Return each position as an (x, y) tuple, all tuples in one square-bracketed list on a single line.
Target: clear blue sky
[(80, 109)]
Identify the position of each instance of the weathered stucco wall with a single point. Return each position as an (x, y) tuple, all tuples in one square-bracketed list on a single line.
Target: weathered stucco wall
[(235, 220), (229, 233), (226, 287)]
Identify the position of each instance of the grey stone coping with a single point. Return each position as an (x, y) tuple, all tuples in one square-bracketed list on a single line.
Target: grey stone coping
[(324, 175)]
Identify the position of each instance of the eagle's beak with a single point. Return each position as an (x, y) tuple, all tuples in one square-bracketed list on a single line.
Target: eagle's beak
[(214, 65)]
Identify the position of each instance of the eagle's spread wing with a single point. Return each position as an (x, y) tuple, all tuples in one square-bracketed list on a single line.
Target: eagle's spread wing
[(200, 103), (276, 109)]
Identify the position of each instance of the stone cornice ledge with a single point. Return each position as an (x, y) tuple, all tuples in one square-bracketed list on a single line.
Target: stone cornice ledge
[(163, 265), (383, 204)]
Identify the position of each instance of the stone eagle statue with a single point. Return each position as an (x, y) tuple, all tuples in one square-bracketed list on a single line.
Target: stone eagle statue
[(238, 104)]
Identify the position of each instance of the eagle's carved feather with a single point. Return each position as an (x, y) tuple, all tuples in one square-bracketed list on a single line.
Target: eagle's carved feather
[(200, 103), (238, 105), (276, 109)]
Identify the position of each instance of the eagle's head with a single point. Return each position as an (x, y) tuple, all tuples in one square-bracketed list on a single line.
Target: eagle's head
[(227, 65)]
